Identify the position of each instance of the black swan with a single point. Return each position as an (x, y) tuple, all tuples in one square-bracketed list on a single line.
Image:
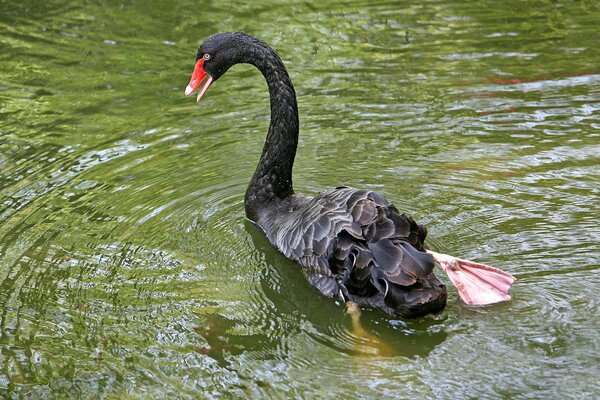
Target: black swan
[(353, 243)]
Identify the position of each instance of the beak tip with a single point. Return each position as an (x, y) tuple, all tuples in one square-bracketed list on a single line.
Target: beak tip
[(188, 90)]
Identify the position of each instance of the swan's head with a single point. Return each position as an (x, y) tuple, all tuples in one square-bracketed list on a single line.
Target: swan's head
[(216, 55)]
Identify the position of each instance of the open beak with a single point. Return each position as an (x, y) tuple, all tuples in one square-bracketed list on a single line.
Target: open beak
[(198, 76)]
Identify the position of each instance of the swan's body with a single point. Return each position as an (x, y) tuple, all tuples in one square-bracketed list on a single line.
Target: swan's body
[(353, 243)]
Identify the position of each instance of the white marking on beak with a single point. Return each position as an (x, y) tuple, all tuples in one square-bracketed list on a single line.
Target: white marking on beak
[(188, 90), (204, 88)]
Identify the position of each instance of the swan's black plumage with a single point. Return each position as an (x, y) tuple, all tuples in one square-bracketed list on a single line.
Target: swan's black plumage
[(352, 242)]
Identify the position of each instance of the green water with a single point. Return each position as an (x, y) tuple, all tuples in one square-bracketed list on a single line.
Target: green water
[(127, 269)]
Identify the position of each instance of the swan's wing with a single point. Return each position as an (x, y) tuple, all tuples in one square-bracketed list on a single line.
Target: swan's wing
[(391, 252), (355, 243), (307, 231)]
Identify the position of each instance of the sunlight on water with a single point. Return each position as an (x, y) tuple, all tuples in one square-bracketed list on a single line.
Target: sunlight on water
[(127, 267)]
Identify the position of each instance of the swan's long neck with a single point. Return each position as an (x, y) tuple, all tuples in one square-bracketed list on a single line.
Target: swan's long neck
[(272, 180)]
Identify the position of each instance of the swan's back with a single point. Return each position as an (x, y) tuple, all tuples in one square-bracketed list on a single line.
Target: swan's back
[(355, 244)]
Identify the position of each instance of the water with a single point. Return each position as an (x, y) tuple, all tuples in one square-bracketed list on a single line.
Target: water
[(127, 269)]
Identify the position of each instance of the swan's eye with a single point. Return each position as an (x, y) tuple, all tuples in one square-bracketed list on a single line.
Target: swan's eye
[(206, 57)]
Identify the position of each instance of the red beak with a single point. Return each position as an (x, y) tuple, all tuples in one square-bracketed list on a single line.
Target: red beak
[(198, 76)]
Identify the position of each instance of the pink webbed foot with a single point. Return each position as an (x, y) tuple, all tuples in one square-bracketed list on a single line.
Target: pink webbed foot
[(477, 284)]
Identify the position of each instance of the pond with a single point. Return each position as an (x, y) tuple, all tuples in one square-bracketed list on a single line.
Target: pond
[(128, 269)]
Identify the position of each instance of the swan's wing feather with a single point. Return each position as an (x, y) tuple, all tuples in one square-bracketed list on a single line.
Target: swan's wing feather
[(327, 285)]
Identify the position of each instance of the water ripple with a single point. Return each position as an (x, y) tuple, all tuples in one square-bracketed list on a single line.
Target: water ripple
[(128, 269)]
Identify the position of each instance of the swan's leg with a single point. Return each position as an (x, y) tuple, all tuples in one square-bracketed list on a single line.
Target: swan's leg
[(477, 284), (353, 310), (366, 343)]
